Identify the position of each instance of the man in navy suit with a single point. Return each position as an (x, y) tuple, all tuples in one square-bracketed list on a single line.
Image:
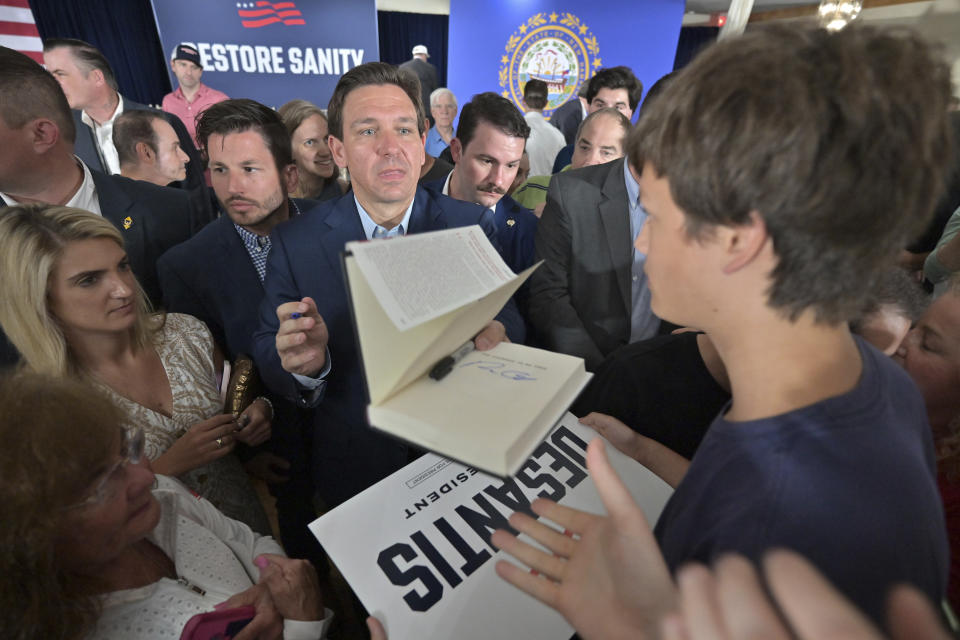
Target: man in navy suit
[(487, 150), (91, 89), (305, 345), (217, 276)]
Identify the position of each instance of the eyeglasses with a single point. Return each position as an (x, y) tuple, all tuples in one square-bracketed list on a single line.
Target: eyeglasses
[(131, 452)]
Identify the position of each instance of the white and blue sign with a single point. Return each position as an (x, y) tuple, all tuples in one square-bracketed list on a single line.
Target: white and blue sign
[(272, 52), (560, 43)]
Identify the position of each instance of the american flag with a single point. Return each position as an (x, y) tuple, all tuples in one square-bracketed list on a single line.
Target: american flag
[(261, 13), (18, 30)]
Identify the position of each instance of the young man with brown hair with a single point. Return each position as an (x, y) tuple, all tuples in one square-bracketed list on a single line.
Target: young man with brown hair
[(782, 171)]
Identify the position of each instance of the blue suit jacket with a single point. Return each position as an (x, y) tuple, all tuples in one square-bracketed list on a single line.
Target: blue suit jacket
[(211, 277), (516, 229), (86, 144), (305, 260)]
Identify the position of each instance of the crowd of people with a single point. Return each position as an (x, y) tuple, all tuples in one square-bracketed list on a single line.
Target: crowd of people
[(742, 269)]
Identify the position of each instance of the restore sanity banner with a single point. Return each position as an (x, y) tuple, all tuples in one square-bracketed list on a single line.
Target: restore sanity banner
[(562, 43), (272, 52)]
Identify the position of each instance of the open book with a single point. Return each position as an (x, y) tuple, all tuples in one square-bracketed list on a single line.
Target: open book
[(416, 300)]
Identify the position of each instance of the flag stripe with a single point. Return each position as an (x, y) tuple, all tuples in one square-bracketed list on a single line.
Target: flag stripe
[(15, 14), (24, 44), (18, 29), (243, 13), (289, 14), (253, 24), (24, 4)]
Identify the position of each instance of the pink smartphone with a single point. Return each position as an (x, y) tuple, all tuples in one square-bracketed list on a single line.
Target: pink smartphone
[(218, 625)]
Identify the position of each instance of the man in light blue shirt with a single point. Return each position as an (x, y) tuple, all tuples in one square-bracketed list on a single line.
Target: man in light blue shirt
[(305, 347)]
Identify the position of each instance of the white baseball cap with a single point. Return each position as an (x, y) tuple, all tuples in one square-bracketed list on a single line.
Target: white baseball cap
[(421, 49)]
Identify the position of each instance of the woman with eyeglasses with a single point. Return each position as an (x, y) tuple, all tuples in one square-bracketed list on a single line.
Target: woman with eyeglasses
[(73, 308), (96, 546)]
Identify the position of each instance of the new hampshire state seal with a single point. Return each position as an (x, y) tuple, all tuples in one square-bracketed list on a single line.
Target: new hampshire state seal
[(556, 48)]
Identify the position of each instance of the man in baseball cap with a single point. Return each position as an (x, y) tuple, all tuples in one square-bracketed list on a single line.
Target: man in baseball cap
[(424, 71), (192, 96)]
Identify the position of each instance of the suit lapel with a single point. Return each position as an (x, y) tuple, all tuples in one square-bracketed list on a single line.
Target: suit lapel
[(240, 274), (423, 217), (615, 219), (85, 145), (117, 207), (342, 225)]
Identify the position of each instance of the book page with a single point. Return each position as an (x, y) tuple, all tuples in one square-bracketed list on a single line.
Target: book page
[(416, 548), (489, 404), (419, 277), (393, 358)]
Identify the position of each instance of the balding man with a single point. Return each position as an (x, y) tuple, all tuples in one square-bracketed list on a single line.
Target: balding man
[(148, 148), (601, 138)]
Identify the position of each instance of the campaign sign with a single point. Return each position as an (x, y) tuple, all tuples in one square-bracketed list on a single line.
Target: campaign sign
[(562, 44), (272, 52), (416, 546)]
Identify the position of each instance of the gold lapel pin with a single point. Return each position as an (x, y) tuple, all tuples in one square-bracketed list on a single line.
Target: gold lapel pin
[(511, 222), (127, 222)]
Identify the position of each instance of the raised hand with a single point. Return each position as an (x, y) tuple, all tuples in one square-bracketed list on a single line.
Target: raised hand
[(301, 341), (605, 575), (729, 603), (663, 461)]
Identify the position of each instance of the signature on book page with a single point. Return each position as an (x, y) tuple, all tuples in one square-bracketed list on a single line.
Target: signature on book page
[(499, 368)]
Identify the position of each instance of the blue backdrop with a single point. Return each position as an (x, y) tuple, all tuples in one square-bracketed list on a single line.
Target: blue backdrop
[(562, 43), (272, 51)]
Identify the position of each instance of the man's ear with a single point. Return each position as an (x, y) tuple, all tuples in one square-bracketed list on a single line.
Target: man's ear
[(337, 151), (145, 153), (44, 134), (290, 176), (744, 242), (456, 150)]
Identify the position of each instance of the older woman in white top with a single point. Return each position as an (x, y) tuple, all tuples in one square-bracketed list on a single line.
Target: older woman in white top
[(96, 546)]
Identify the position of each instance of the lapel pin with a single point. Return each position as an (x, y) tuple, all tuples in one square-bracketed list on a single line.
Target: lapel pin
[(511, 222), (128, 222)]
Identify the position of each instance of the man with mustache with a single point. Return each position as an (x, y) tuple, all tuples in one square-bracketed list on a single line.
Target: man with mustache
[(487, 150), (217, 276), (305, 347)]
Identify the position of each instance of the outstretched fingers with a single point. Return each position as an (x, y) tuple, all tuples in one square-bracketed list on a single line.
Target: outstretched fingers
[(620, 505), (544, 590)]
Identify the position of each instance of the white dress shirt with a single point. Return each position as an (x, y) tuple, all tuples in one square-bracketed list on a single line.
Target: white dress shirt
[(85, 198), (103, 133)]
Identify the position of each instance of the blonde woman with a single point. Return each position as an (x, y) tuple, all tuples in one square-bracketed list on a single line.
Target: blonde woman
[(307, 126), (73, 308)]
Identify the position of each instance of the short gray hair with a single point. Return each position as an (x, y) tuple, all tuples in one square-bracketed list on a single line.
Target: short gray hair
[(436, 93)]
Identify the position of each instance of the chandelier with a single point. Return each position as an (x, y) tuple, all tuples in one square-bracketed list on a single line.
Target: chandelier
[(836, 15)]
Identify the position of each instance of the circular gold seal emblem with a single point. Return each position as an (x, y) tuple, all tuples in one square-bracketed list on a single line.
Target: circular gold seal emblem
[(555, 48)]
